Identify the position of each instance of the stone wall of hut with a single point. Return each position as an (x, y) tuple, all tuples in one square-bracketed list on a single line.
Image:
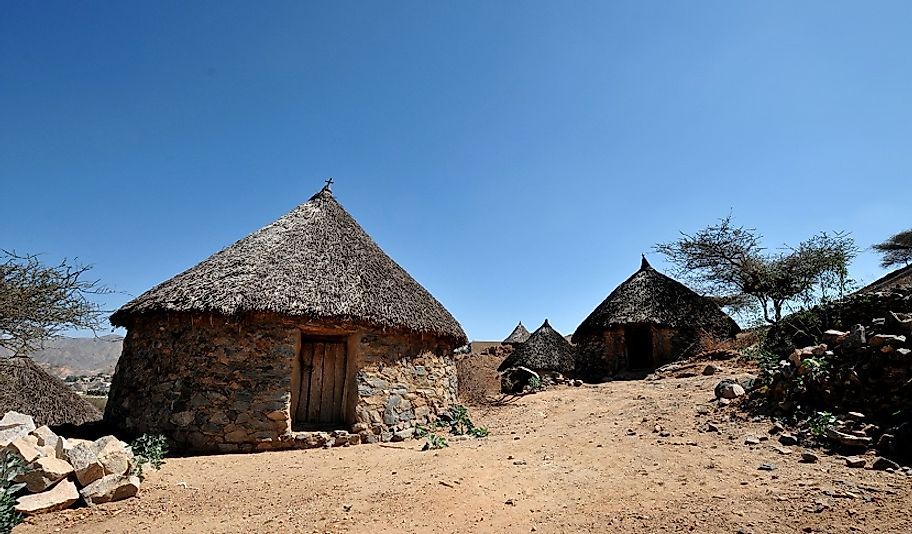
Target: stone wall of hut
[(401, 385), (603, 354), (211, 384)]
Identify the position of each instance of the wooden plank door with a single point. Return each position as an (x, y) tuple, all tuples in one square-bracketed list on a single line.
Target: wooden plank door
[(322, 383)]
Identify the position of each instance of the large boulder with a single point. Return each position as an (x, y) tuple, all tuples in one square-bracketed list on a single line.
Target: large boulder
[(114, 455), (60, 497), (14, 425), (47, 438), (84, 459), (44, 473), (110, 488), (24, 449)]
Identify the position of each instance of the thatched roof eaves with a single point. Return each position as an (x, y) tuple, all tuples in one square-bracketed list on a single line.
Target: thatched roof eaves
[(650, 297), (519, 335), (27, 388), (545, 349), (314, 262)]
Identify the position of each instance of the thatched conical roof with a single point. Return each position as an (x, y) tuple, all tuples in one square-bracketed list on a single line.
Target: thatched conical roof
[(314, 262), (650, 297), (901, 277), (29, 389), (545, 349), (519, 335)]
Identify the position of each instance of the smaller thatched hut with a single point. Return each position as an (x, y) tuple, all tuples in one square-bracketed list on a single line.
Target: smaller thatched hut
[(519, 335), (544, 351), (647, 321), (29, 389)]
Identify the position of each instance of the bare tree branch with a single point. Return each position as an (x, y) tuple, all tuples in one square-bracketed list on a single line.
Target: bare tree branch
[(729, 263), (38, 301)]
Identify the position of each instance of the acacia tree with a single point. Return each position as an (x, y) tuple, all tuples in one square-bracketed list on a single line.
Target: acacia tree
[(897, 250), (38, 301), (729, 263)]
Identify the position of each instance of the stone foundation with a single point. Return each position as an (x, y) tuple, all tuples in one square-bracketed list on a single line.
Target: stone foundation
[(211, 383)]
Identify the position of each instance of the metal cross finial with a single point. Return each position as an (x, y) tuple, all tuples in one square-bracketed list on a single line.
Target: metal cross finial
[(329, 183)]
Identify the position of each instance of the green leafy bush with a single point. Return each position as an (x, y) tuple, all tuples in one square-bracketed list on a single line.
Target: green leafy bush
[(148, 449), (461, 424), (432, 440), (11, 466), (821, 422)]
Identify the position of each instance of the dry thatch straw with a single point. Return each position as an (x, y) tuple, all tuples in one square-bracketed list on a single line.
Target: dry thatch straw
[(29, 389), (519, 335), (315, 262), (545, 349), (901, 277), (650, 297)]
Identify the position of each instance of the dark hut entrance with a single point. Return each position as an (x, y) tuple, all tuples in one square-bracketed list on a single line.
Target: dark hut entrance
[(318, 383), (638, 340)]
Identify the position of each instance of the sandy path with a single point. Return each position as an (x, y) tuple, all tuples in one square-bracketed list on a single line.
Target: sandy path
[(567, 460)]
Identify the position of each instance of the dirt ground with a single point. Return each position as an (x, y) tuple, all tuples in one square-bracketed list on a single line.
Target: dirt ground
[(565, 460)]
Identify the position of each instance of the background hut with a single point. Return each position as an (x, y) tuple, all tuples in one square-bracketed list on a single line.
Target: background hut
[(519, 335), (303, 325), (27, 388), (545, 351), (647, 321)]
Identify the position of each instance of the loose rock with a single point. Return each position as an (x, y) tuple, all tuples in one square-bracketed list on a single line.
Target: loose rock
[(847, 439), (85, 462), (60, 497), (729, 389), (23, 448), (809, 457), (711, 370), (882, 464), (44, 473), (788, 440), (110, 488), (855, 461), (113, 455)]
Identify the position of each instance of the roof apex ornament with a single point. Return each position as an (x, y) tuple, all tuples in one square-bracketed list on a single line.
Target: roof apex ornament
[(328, 186), (644, 264)]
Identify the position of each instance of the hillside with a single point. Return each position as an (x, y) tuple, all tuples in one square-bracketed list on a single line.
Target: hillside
[(73, 356)]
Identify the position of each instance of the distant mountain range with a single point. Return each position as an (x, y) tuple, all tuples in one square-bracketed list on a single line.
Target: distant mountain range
[(75, 356)]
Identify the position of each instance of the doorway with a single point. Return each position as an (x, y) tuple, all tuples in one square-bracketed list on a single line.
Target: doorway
[(638, 340), (318, 383)]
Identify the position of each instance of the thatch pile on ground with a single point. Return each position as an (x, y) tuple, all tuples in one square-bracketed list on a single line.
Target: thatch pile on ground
[(27, 388)]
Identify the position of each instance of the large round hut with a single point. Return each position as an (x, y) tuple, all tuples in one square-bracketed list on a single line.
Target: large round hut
[(544, 351), (27, 388), (647, 321), (302, 327)]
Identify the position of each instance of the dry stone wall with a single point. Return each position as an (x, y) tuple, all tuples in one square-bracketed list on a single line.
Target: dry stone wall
[(402, 384), (214, 385), (208, 385)]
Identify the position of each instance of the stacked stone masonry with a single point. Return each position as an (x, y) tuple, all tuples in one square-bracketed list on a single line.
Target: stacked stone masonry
[(213, 384)]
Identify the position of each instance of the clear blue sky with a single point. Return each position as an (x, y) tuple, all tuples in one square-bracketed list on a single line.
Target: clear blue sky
[(515, 157)]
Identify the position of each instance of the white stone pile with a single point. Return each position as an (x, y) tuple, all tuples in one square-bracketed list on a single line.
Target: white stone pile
[(60, 472)]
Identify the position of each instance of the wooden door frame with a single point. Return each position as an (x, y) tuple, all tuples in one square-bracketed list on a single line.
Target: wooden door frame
[(304, 337)]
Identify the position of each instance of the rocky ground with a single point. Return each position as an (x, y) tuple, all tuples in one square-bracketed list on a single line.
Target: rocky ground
[(634, 456)]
